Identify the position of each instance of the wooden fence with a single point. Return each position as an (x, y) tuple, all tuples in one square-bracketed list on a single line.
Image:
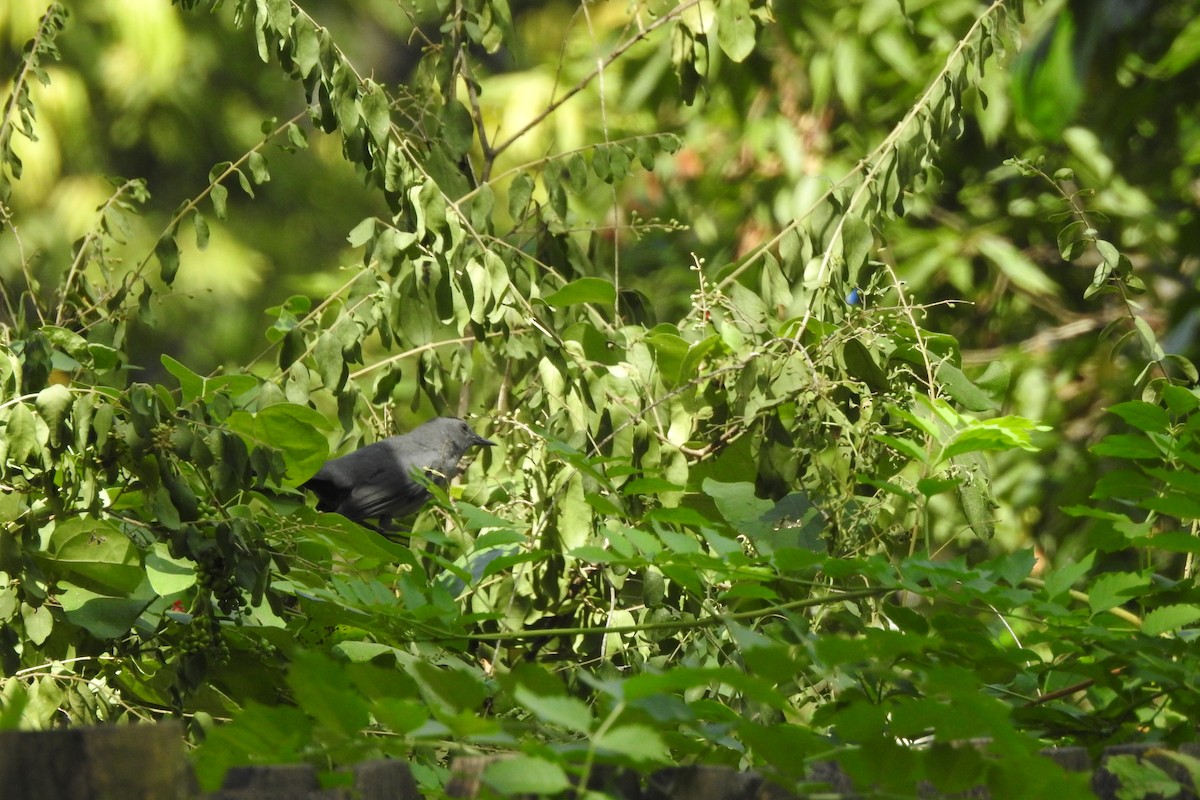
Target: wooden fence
[(147, 762)]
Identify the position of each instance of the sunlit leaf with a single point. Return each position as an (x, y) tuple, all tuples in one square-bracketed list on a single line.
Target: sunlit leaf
[(1169, 618), (525, 775), (584, 290), (95, 553)]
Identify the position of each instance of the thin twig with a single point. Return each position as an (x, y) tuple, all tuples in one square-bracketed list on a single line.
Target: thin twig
[(671, 625), (642, 34)]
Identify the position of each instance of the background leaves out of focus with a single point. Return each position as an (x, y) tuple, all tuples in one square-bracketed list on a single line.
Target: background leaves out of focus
[(840, 358)]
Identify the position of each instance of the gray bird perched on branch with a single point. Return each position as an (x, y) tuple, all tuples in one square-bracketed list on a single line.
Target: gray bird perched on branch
[(380, 481)]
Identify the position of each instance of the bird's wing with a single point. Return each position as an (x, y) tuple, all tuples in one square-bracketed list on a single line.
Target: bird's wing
[(383, 493), (330, 484), (329, 494)]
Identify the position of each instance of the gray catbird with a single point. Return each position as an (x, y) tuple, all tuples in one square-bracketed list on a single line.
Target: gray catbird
[(378, 481)]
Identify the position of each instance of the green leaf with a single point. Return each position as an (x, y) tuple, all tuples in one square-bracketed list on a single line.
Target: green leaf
[(569, 712), (244, 182), (690, 367), (457, 689), (1014, 567), (1116, 588), (100, 615), (1127, 445), (1000, 433), (1108, 253), (292, 429), (1169, 618), (1180, 401), (584, 290), (907, 447), (12, 710), (168, 575), (363, 652), (1140, 777), (256, 162), (344, 95), (525, 775), (739, 505), (1149, 340), (164, 510), (600, 163), (95, 553), (103, 357), (1183, 52), (308, 48), (190, 384), (1060, 581), (619, 160), (67, 341), (38, 622), (399, 715), (1185, 366), (458, 129), (857, 244), (277, 15), (921, 423), (931, 487), (376, 110), (960, 389), (54, 405), (219, 196), (596, 347), (167, 252), (500, 28), (637, 742), (331, 360), (257, 734), (1143, 416), (1047, 91), (24, 433), (861, 363), (297, 138), (848, 68), (362, 232), (1171, 541), (1174, 504), (575, 515), (1071, 241), (1190, 763), (670, 350), (762, 655), (975, 499), (201, 227), (519, 193), (322, 688), (481, 290), (682, 678)]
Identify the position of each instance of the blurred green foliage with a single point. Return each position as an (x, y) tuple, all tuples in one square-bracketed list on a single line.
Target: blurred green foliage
[(796, 325)]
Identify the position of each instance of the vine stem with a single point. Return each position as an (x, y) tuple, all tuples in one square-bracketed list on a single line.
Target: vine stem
[(1116, 611), (191, 205), (874, 159), (673, 625), (84, 246), (602, 65), (1145, 336), (22, 78)]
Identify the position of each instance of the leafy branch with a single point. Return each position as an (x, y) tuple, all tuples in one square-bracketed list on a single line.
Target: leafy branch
[(1114, 273), (18, 114)]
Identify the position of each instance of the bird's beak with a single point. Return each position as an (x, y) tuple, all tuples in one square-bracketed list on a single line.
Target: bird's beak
[(482, 442)]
